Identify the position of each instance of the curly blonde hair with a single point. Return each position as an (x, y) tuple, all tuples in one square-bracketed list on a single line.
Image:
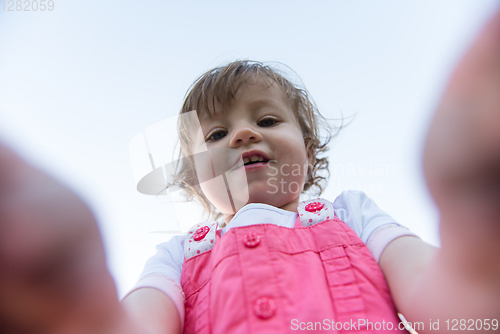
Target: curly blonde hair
[(219, 87)]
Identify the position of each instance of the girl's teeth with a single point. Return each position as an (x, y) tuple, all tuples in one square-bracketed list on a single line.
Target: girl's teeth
[(253, 158)]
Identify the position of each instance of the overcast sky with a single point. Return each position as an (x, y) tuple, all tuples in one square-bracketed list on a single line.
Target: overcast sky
[(79, 82)]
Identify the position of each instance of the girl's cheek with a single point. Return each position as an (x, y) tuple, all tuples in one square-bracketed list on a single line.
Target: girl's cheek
[(203, 166)]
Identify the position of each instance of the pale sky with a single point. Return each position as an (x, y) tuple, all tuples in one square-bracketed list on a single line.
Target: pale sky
[(79, 82)]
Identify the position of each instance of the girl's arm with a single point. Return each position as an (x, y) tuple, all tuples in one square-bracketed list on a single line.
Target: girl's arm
[(53, 274), (154, 310), (462, 166)]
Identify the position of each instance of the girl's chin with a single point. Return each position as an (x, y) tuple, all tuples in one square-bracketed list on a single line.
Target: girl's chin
[(257, 193), (275, 199)]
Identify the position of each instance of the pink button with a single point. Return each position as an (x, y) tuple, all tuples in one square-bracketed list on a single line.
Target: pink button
[(200, 233), (264, 308), (314, 206), (251, 240)]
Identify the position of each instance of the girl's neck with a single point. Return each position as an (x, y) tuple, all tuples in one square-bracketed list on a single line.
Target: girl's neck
[(291, 206)]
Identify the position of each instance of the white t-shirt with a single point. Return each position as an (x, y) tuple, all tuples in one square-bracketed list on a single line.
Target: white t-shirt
[(374, 227)]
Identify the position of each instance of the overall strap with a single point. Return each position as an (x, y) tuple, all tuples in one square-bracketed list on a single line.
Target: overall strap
[(315, 211), (200, 238)]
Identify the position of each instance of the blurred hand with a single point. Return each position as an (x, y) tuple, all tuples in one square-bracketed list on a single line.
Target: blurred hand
[(53, 275), (462, 155), (462, 168)]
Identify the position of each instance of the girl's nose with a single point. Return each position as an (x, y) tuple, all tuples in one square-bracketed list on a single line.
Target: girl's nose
[(245, 135)]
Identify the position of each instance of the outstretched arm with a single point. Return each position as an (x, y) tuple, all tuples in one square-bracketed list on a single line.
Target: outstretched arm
[(53, 275), (154, 310), (462, 168)]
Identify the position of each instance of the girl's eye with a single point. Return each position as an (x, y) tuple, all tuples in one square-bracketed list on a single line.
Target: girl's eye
[(268, 122), (217, 135)]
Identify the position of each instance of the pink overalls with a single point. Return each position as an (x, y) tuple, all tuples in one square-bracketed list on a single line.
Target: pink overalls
[(272, 279)]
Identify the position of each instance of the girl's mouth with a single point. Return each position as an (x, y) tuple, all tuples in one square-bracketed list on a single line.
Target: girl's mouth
[(250, 165), (255, 165)]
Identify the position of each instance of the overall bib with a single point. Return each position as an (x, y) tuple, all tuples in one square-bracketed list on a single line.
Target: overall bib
[(272, 279)]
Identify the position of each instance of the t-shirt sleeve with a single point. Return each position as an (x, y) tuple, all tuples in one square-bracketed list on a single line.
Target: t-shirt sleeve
[(162, 271), (375, 227)]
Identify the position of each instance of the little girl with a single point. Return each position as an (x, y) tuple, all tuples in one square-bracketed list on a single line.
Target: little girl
[(279, 264), (274, 263)]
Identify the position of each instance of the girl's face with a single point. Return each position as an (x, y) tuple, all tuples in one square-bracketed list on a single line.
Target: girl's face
[(257, 146)]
